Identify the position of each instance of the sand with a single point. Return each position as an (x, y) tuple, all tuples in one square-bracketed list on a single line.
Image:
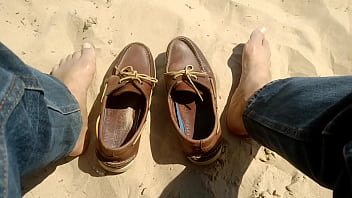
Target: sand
[(307, 38)]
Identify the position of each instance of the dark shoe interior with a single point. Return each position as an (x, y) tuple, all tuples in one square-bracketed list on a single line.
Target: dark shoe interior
[(122, 117), (195, 117)]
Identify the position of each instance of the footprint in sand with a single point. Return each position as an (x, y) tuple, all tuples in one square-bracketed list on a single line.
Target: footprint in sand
[(270, 183), (266, 155)]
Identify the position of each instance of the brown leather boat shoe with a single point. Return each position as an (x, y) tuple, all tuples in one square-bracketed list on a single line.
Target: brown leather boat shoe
[(190, 86), (125, 104)]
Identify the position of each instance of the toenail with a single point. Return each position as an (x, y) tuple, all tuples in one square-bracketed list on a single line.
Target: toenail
[(87, 45), (263, 30)]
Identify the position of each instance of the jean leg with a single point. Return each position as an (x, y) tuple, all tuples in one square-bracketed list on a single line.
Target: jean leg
[(297, 118), (40, 121)]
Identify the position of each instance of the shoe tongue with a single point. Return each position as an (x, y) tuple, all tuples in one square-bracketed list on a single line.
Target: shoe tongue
[(182, 86), (129, 87)]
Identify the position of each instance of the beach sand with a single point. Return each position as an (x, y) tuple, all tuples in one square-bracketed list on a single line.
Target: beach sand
[(307, 38)]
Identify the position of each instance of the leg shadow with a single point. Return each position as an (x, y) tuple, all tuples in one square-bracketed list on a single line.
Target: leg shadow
[(220, 179), (31, 180)]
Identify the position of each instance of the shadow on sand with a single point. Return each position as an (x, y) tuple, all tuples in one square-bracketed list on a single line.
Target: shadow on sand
[(220, 179)]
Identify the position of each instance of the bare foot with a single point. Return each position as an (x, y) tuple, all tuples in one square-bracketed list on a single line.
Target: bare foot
[(76, 71), (255, 74)]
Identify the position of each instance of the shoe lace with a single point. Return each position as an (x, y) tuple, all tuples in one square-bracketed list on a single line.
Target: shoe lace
[(128, 73), (190, 74)]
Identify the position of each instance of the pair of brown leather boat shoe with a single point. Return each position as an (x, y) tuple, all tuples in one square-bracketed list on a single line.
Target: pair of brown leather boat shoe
[(191, 96)]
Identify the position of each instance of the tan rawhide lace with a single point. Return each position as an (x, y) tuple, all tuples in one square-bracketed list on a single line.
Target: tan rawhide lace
[(128, 73), (189, 73)]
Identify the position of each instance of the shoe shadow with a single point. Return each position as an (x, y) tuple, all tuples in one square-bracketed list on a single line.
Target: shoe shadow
[(164, 143), (222, 178)]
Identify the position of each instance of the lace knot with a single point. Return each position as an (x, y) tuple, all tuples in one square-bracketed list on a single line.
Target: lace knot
[(128, 73), (189, 74)]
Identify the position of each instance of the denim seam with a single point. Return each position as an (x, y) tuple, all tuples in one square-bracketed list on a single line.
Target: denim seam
[(296, 133), (65, 111), (11, 90), (7, 94), (5, 158), (31, 82), (3, 101), (252, 99)]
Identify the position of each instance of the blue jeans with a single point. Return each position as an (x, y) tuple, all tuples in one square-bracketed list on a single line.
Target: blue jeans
[(40, 121), (308, 121)]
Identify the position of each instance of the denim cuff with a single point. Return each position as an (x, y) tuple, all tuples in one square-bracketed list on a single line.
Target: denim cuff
[(255, 95)]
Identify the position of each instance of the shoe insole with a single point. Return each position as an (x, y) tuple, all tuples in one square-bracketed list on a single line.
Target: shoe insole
[(122, 118), (195, 117)]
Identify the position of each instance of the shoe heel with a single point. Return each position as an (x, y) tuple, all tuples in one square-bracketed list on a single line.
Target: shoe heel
[(206, 160)]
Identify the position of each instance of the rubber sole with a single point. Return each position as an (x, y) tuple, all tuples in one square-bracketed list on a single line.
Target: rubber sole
[(210, 160), (112, 169)]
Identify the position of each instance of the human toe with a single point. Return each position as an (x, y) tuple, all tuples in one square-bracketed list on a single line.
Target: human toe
[(54, 69), (76, 55), (62, 61), (68, 58), (88, 51), (257, 36)]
